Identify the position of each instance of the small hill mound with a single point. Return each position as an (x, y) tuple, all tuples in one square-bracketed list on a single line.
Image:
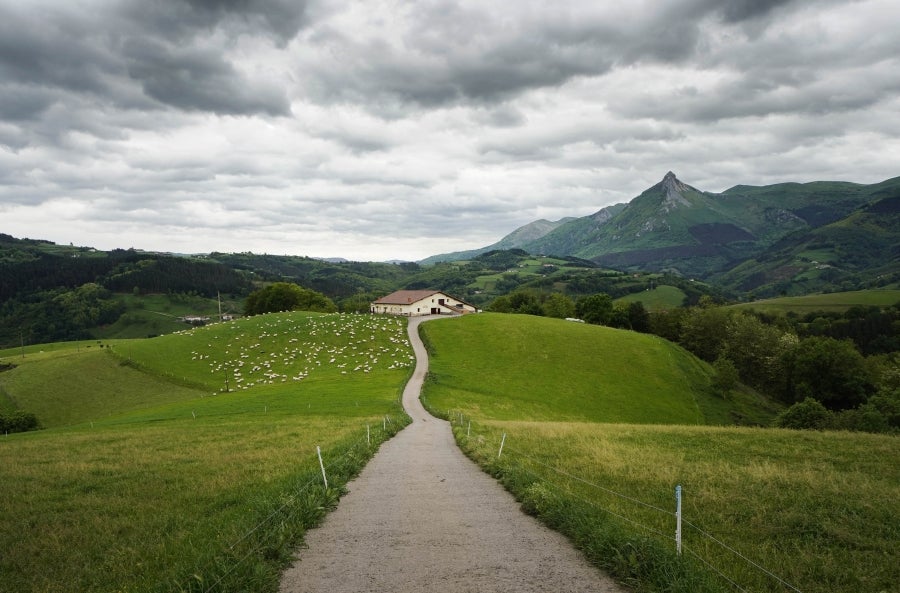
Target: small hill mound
[(562, 371)]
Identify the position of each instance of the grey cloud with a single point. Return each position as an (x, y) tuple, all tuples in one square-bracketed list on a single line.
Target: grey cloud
[(452, 55), (198, 79), (182, 20)]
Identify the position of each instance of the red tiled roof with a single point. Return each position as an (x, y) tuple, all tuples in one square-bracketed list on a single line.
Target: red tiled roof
[(406, 297)]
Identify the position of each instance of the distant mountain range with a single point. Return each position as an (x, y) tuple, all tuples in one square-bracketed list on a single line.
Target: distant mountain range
[(783, 238)]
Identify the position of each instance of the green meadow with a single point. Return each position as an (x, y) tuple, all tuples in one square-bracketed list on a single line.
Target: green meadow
[(600, 427), (837, 301), (657, 298), (152, 475), (511, 367)]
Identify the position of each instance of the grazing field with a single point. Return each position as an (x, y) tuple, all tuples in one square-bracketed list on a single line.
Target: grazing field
[(819, 510), (656, 299), (206, 489), (506, 366), (157, 314), (837, 301)]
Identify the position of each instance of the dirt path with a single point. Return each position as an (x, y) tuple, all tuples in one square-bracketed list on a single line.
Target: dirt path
[(422, 517)]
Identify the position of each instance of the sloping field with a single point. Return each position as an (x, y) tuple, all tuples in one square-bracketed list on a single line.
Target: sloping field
[(837, 301), (180, 485), (819, 511), (85, 383), (519, 366), (660, 297)]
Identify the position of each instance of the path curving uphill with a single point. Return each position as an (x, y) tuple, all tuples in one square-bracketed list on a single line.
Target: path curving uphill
[(422, 517)]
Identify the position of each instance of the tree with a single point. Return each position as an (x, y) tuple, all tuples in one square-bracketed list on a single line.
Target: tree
[(725, 378), (703, 332), (596, 308), (559, 306), (832, 371), (285, 296), (755, 349), (638, 317)]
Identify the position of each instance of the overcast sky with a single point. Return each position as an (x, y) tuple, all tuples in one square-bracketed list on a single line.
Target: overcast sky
[(397, 130)]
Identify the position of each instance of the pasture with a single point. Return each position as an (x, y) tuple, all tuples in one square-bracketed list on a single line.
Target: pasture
[(185, 484), (658, 298), (818, 510), (506, 366), (837, 301)]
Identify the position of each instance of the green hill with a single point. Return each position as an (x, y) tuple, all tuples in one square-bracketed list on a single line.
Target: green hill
[(504, 366)]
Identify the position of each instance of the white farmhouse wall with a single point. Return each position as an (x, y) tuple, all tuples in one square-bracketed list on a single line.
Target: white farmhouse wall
[(436, 303)]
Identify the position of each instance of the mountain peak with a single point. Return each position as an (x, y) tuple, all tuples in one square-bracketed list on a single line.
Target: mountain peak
[(673, 190)]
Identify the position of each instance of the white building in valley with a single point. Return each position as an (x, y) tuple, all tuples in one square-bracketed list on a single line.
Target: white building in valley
[(412, 303)]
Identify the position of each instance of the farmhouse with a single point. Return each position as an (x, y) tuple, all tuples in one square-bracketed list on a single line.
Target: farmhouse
[(420, 302)]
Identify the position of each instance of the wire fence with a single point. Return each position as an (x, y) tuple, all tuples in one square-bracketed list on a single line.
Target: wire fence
[(664, 524), (282, 528)]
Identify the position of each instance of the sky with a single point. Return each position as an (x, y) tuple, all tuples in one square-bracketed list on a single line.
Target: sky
[(379, 131)]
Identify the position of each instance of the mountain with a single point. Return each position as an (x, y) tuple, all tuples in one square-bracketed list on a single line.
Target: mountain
[(743, 231), (521, 236), (862, 248)]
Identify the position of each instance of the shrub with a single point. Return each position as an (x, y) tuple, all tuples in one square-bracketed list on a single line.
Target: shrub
[(18, 421), (806, 414)]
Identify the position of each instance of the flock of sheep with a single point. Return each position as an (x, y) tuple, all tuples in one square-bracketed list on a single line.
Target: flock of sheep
[(292, 347)]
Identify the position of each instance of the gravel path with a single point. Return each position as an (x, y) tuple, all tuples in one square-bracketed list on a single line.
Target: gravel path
[(422, 517)]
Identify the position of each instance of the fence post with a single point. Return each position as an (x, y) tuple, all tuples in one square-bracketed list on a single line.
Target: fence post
[(368, 439), (322, 465), (503, 440), (468, 429), (678, 519)]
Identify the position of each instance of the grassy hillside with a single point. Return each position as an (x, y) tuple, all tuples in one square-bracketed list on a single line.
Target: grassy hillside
[(576, 403), (657, 298), (180, 485), (504, 366), (837, 301)]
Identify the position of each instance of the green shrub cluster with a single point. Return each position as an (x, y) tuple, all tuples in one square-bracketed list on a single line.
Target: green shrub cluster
[(18, 421), (880, 414)]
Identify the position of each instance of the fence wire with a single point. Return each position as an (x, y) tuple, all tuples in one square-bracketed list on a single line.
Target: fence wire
[(337, 462), (508, 450)]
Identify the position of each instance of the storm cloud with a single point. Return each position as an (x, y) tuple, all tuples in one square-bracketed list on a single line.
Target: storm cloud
[(385, 130)]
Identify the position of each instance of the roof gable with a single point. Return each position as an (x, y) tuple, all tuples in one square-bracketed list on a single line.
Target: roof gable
[(406, 297)]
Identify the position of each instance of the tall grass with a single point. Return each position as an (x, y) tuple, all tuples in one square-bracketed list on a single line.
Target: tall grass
[(211, 491), (818, 510)]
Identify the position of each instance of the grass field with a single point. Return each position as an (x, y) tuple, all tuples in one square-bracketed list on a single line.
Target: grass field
[(504, 366), (204, 489), (157, 314), (838, 301), (818, 510), (659, 298)]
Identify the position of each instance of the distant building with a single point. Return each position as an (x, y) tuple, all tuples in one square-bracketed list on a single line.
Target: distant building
[(412, 303)]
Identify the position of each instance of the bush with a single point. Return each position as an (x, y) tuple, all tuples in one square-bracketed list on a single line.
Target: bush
[(806, 414), (18, 421)]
